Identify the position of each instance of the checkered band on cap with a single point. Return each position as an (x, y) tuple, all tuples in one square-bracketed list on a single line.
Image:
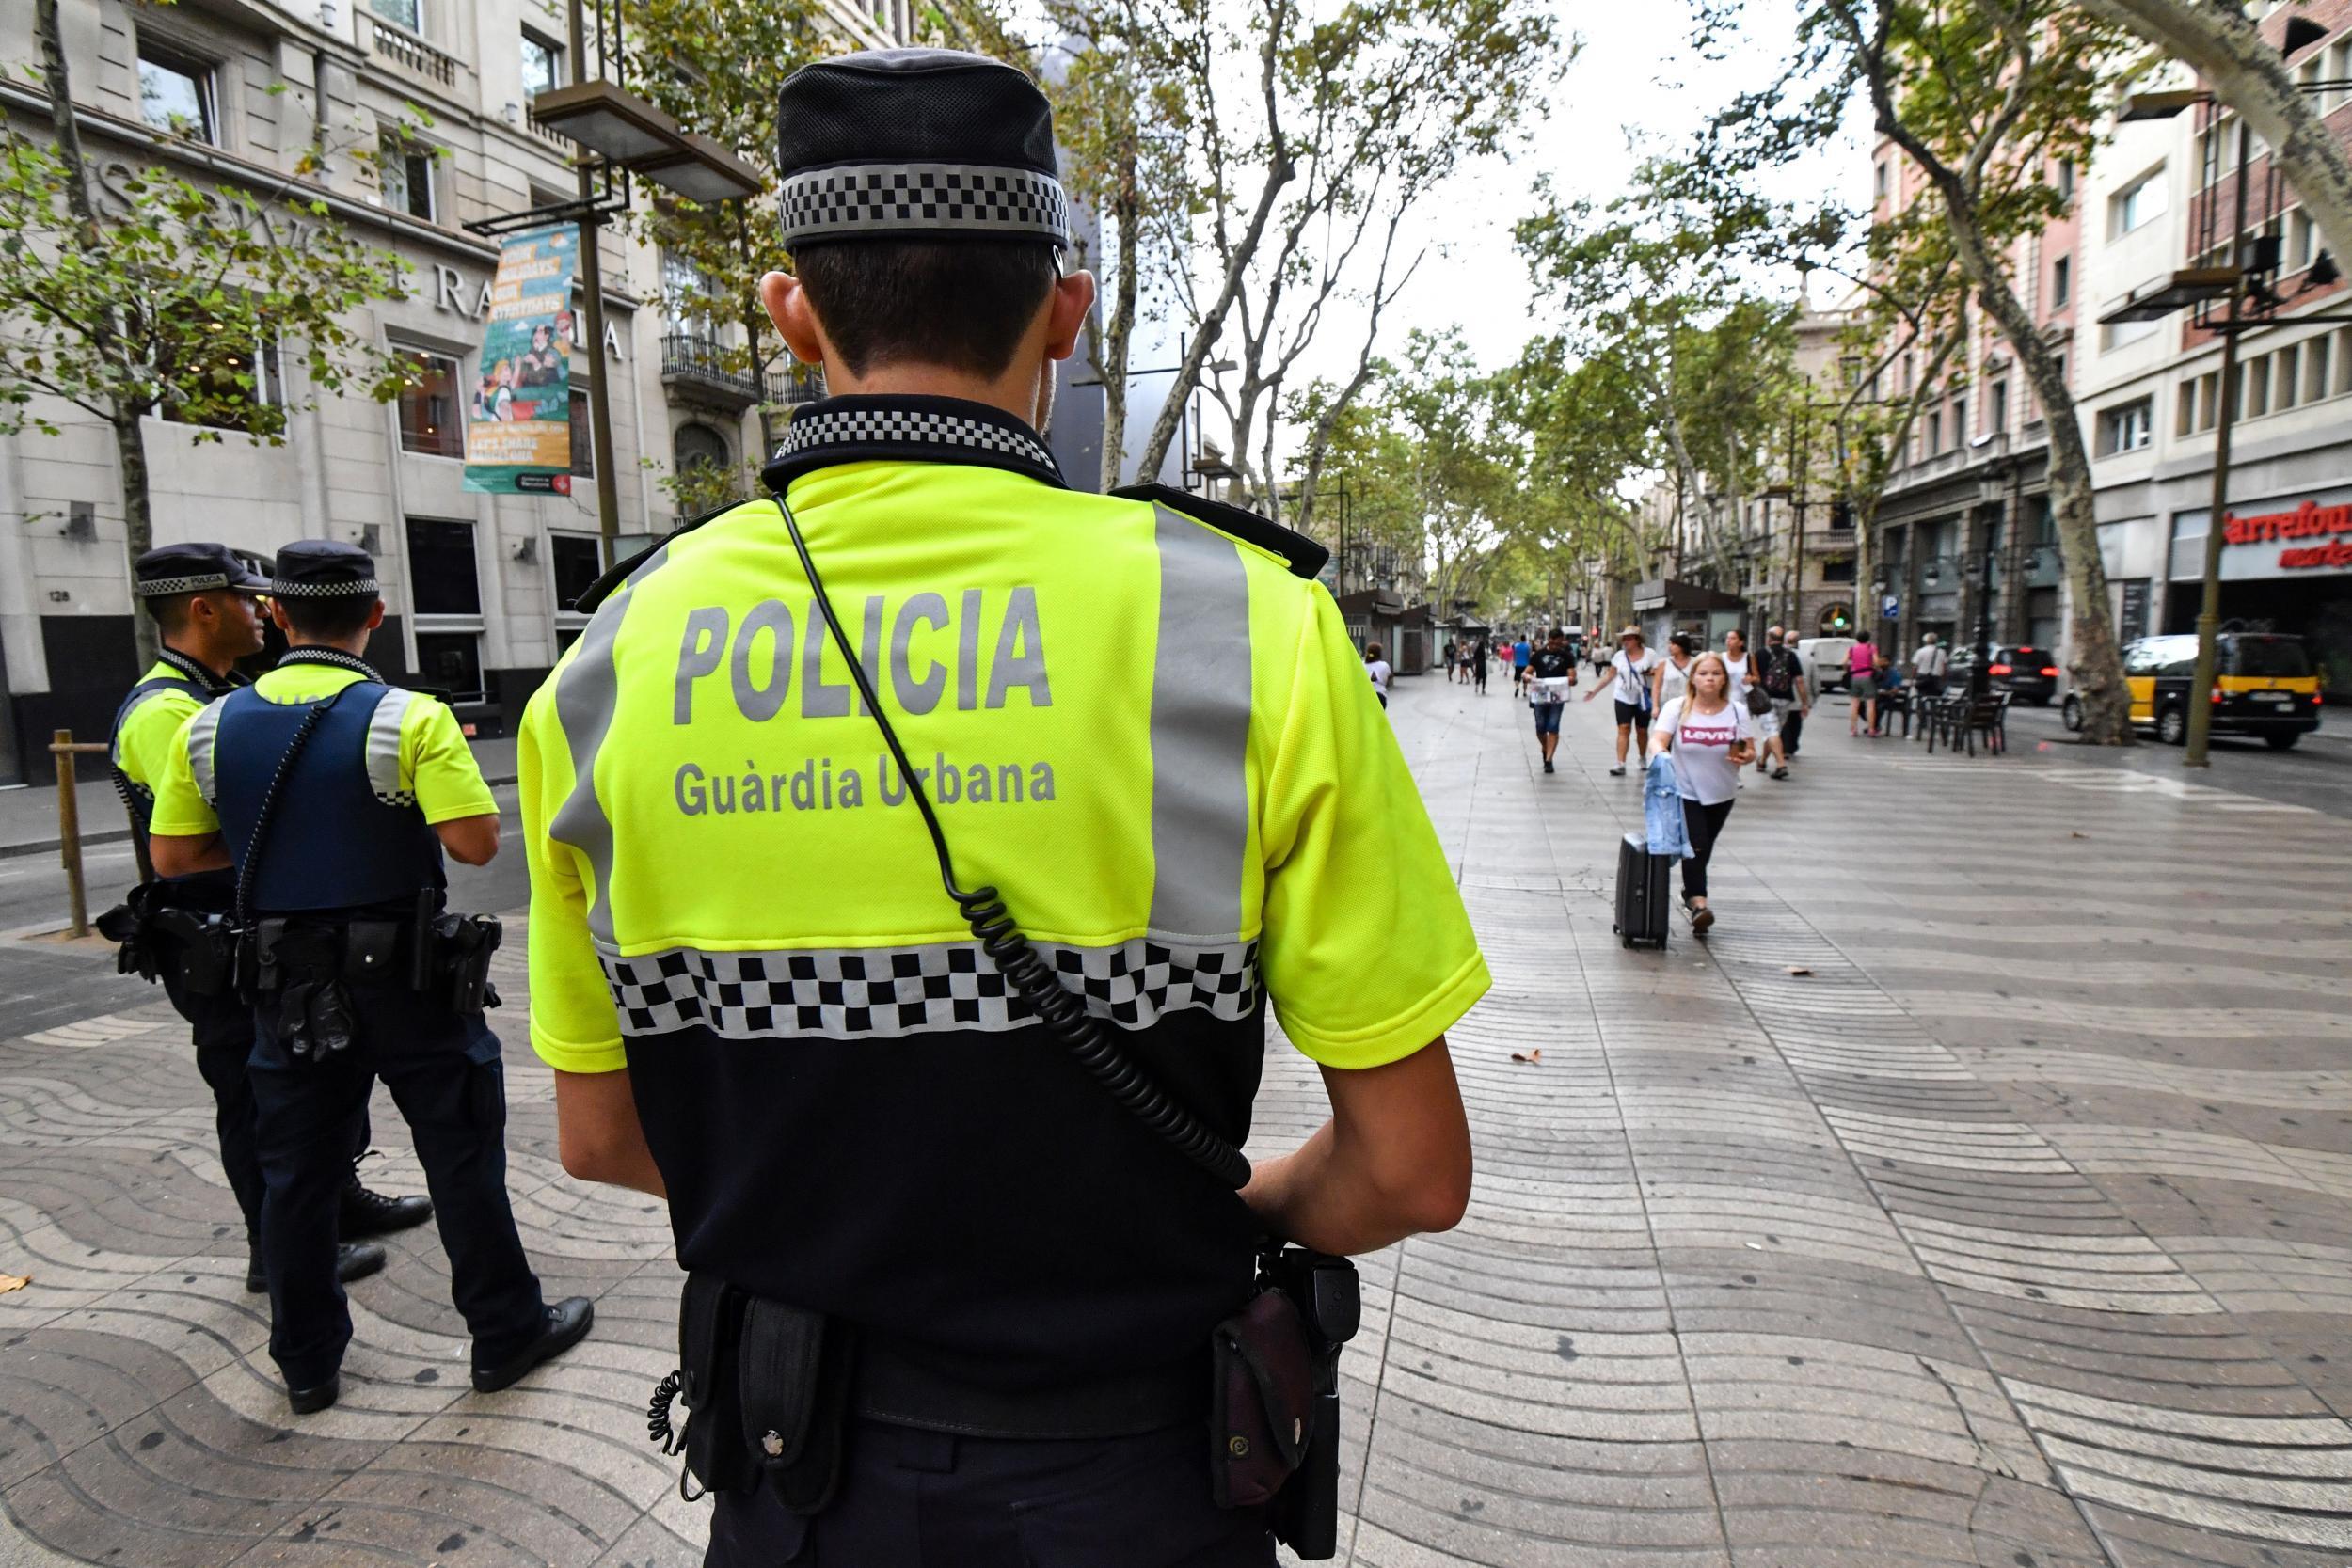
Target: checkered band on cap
[(884, 993), (281, 589), (863, 427), (868, 200), (155, 588)]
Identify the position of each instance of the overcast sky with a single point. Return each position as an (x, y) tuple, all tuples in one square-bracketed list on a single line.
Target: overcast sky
[(1634, 88)]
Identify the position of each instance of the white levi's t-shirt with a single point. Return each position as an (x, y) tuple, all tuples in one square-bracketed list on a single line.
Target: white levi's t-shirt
[(1702, 749)]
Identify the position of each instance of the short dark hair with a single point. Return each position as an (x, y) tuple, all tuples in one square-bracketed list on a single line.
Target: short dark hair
[(171, 611), (961, 303), (329, 620)]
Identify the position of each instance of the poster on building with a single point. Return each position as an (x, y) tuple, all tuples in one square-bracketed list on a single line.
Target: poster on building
[(519, 430)]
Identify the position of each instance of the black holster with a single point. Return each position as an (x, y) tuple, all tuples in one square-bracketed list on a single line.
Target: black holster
[(454, 952), (1273, 1417), (196, 948), (766, 1391)]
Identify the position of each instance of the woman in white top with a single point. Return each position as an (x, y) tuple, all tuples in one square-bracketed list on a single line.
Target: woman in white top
[(1735, 665), (1673, 676), (1633, 663), (1711, 738), (1377, 667)]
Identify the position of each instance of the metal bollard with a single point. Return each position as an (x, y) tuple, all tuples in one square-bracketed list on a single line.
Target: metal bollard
[(63, 747)]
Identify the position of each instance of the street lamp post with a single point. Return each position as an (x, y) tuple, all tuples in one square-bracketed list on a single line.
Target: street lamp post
[(2209, 600)]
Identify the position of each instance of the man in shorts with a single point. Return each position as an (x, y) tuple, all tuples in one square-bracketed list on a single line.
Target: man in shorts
[(1551, 677), (1780, 673)]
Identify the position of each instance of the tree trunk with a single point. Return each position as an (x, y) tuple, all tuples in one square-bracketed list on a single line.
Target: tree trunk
[(2226, 48), (2094, 659), (1119, 332), (138, 527)]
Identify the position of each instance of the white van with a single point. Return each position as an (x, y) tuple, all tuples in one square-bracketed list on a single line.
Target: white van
[(1825, 661)]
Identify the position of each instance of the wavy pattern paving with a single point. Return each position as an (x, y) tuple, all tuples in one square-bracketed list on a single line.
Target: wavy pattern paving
[(2012, 1231)]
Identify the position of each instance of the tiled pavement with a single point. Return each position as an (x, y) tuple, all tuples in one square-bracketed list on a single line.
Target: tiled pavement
[(2011, 1231)]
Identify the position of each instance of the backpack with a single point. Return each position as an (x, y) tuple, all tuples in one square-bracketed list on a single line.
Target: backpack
[(1778, 676)]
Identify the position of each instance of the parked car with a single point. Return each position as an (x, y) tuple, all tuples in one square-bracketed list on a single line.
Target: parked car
[(1825, 661), (2028, 674), (2263, 685)]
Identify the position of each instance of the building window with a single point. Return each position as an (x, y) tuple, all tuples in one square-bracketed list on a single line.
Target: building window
[(1935, 431), (429, 422), (2061, 282), (1960, 422), (2115, 335), (2255, 398), (2315, 355), (578, 560), (239, 379), (404, 169), (2127, 427), (176, 93), (1837, 568), (406, 13), (2302, 240), (1996, 407), (450, 661), (2066, 179), (2137, 204), (583, 439), (543, 65), (1879, 181), (442, 573), (698, 446), (2286, 381)]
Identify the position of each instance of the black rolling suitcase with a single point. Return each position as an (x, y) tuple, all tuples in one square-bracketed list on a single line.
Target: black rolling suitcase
[(1643, 893)]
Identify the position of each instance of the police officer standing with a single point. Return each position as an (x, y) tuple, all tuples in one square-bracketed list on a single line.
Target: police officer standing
[(951, 1300), (329, 796), (205, 606)]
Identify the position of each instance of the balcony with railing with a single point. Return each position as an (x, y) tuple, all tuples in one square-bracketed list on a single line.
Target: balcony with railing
[(695, 363), (392, 43), (795, 386)]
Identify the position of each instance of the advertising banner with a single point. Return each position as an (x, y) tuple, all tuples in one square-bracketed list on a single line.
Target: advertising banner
[(518, 432)]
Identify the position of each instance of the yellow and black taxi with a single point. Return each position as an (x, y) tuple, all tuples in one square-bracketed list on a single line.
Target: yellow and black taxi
[(2263, 685)]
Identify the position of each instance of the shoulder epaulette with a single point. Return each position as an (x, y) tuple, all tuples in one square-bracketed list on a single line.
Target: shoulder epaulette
[(617, 574), (1305, 557)]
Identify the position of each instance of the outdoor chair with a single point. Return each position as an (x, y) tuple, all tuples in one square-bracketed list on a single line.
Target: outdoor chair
[(1987, 717)]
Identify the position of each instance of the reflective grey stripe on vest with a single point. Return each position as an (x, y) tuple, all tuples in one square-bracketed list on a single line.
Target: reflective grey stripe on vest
[(203, 730), (1199, 734), (384, 747), (585, 695)]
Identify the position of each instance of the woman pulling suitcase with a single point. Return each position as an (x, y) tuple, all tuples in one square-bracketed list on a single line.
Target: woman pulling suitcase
[(1711, 738)]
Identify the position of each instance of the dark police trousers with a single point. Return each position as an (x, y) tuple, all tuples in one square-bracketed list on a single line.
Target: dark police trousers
[(911, 1498), (223, 1028), (444, 1072)]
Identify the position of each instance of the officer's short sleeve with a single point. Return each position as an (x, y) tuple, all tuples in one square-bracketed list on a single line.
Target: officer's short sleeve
[(437, 767), (181, 811), (143, 746), (573, 1026), (1366, 952)]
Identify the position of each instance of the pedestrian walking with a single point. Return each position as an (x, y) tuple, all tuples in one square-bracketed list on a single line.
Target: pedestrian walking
[(957, 1260), (1478, 661), (1861, 686), (1780, 675), (1520, 654), (1631, 665), (1452, 660), (1736, 662), (1672, 676), (1929, 665), (1711, 738), (1551, 675), (331, 795), (203, 601), (1377, 667)]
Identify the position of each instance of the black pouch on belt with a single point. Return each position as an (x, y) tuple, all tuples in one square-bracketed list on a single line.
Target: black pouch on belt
[(792, 1370), (710, 1322), (1261, 1401)]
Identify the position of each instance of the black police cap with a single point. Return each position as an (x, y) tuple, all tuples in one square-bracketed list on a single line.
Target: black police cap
[(323, 569), (192, 568), (917, 144)]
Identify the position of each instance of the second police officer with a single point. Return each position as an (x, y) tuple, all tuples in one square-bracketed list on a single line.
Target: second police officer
[(949, 1300), (205, 604), (329, 796)]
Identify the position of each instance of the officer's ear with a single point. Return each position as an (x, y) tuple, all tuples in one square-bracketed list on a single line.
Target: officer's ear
[(277, 614), (1066, 311), (376, 615), (788, 307)]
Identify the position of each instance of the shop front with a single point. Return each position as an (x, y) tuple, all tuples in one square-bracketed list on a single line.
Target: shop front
[(2286, 567)]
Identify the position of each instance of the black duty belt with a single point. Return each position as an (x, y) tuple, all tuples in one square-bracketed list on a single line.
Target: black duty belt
[(889, 1386)]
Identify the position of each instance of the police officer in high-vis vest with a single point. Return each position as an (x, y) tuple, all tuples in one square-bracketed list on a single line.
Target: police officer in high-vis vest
[(205, 606), (329, 796), (955, 1286)]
